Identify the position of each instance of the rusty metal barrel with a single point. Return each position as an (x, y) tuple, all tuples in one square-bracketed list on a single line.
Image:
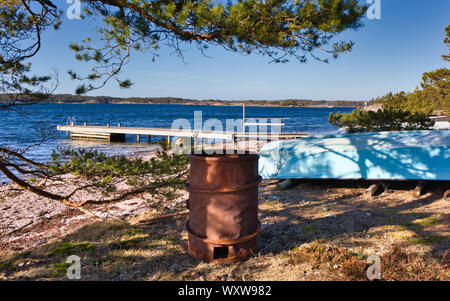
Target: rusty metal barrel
[(223, 207)]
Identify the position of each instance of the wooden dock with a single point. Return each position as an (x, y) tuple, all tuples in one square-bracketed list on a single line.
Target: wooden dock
[(118, 133)]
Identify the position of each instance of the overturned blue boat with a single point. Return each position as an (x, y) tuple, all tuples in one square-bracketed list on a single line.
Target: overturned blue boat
[(404, 155)]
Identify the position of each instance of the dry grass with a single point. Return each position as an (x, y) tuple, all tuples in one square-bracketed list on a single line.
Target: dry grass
[(395, 265), (399, 265), (331, 258), (310, 232)]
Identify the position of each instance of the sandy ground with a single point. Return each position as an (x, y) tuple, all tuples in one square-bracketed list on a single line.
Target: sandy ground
[(329, 213), (40, 220), (339, 218)]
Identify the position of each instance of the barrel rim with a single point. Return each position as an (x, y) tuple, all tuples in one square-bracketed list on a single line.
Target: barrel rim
[(226, 242), (224, 157)]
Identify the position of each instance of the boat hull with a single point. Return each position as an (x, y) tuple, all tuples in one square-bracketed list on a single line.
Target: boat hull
[(403, 155)]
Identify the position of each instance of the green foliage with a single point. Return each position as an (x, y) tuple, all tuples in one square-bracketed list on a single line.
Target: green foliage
[(61, 268), (133, 241), (20, 39), (436, 88), (416, 102), (434, 93), (446, 57), (91, 163), (382, 120), (67, 248), (279, 29), (7, 264), (436, 84), (160, 175)]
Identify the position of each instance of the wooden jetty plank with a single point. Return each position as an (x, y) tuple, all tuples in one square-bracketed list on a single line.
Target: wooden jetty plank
[(120, 132), (144, 131)]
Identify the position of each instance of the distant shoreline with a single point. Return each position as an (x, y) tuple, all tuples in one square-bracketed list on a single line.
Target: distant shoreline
[(209, 104), (285, 103)]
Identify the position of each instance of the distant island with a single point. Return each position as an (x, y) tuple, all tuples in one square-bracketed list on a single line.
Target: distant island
[(77, 99)]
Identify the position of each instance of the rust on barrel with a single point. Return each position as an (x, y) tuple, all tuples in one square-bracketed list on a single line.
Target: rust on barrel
[(223, 207)]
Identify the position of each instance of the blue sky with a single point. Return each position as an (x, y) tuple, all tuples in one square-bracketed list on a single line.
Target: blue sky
[(390, 55)]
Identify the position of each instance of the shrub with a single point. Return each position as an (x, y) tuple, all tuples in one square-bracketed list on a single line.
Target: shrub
[(381, 120)]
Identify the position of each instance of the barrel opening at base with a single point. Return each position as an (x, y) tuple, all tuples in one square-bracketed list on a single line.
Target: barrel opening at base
[(220, 252)]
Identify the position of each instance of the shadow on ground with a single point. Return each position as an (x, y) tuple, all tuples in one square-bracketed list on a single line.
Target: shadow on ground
[(312, 212)]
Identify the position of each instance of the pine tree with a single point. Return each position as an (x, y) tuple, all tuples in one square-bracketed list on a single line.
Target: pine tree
[(402, 110), (278, 29), (436, 84)]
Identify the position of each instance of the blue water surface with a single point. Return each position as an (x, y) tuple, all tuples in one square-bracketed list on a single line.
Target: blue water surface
[(26, 126)]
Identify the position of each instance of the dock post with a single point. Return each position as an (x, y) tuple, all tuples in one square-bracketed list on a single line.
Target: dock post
[(119, 125), (85, 124), (138, 138), (168, 140), (243, 118), (195, 140)]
